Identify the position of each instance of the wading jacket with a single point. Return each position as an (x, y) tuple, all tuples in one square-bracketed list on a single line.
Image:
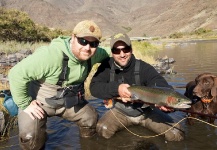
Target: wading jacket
[(45, 65), (101, 86)]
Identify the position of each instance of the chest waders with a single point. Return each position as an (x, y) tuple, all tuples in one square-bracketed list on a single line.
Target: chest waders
[(71, 95), (129, 109)]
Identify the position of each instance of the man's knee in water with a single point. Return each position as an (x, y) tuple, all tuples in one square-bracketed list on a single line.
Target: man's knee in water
[(104, 131), (87, 123), (89, 118), (175, 134), (86, 132), (30, 140), (25, 137)]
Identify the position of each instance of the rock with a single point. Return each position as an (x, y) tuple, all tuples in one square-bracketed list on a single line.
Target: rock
[(163, 65), (13, 59), (165, 59)]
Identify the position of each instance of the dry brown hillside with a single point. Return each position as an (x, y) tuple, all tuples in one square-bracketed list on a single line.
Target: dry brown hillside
[(137, 17)]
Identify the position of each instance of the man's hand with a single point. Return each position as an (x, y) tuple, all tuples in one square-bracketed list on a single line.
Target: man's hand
[(125, 100), (124, 93), (34, 110)]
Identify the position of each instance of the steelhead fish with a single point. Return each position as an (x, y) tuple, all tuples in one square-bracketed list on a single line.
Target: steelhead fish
[(159, 96)]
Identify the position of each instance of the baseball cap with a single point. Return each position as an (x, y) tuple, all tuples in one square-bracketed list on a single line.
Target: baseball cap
[(120, 37), (87, 28)]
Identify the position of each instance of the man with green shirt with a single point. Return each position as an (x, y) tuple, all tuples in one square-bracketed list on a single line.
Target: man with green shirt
[(50, 82)]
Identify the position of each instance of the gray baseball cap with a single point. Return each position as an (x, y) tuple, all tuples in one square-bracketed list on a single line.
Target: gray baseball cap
[(120, 37)]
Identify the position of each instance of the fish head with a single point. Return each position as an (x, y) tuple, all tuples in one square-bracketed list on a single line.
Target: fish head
[(178, 102)]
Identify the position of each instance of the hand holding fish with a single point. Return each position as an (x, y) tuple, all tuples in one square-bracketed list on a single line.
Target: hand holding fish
[(124, 93), (125, 100)]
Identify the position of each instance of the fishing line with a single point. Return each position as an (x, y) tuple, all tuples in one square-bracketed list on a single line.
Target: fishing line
[(150, 136)]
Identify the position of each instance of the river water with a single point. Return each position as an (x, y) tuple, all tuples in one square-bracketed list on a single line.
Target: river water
[(192, 58)]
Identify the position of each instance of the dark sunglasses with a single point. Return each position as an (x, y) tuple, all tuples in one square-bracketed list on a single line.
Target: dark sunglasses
[(126, 49), (84, 42)]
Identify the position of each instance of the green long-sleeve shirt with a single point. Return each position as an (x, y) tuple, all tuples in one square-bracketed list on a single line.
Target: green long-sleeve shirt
[(45, 64)]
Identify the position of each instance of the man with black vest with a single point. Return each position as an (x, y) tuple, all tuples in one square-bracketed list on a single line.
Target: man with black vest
[(112, 79)]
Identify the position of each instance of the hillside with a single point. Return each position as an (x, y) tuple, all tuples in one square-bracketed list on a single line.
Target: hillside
[(137, 17)]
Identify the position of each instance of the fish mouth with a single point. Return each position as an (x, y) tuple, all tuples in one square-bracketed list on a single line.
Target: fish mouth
[(184, 105), (188, 102)]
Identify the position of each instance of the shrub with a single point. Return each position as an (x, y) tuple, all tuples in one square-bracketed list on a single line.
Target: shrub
[(17, 26), (127, 28), (176, 35), (144, 47), (201, 31)]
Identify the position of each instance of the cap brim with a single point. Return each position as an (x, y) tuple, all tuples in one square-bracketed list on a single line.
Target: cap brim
[(87, 34), (122, 40)]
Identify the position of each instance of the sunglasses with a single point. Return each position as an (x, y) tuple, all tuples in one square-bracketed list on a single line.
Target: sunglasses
[(126, 49), (84, 42)]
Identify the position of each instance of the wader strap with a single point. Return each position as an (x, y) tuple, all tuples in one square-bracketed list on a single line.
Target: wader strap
[(136, 73), (112, 73), (89, 65), (62, 76)]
